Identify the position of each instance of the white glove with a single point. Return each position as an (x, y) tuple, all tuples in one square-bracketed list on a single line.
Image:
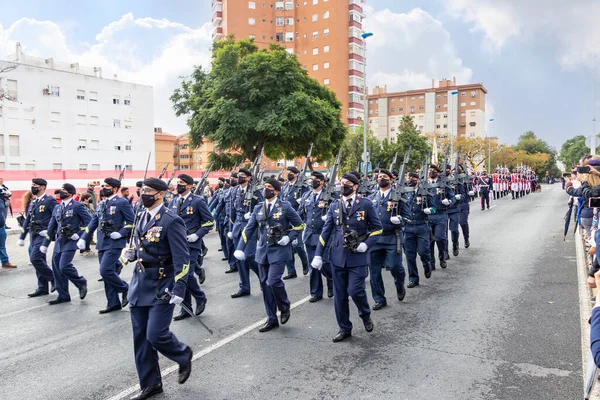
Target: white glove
[(81, 244), (471, 193), (247, 216), (20, 242), (362, 248), (295, 242), (43, 249), (239, 254), (43, 233), (115, 236), (395, 220), (129, 255), (324, 218), (284, 241), (446, 202), (427, 211), (175, 299), (230, 235), (192, 238), (317, 263), (75, 237), (457, 197)]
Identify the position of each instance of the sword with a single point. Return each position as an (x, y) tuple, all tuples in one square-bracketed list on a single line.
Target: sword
[(189, 311)]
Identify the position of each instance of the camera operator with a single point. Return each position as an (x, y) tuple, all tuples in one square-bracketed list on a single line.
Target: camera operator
[(588, 174)]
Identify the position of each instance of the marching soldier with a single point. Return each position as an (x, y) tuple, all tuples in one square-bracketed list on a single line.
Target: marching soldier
[(454, 213), (36, 222), (198, 221), (162, 265), (466, 191), (137, 206), (388, 249), (228, 208), (114, 221), (68, 222), (441, 199), (485, 183), (220, 217), (279, 225), (353, 227)]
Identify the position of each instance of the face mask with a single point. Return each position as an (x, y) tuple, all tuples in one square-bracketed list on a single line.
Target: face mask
[(138, 193), (234, 183), (35, 190), (63, 195), (291, 177), (242, 180), (412, 183), (447, 173), (316, 184), (347, 190), (383, 183), (148, 200), (268, 193), (106, 192), (220, 185), (433, 175), (181, 188)]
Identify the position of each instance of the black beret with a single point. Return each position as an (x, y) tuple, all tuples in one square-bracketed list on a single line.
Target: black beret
[(394, 172), (245, 171), (413, 175), (293, 169), (433, 166), (356, 174), (186, 178), (386, 172), (69, 188), (39, 181), (228, 181), (318, 175), (155, 183), (112, 182), (275, 183), (234, 175), (222, 179), (351, 177), (139, 184)]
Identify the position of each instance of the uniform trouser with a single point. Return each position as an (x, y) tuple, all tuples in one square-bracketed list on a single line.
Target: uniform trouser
[(350, 281), (274, 294), (193, 288), (316, 281), (385, 255), (453, 223), (223, 239), (38, 259), (464, 222), (151, 335), (515, 194), (417, 241), (485, 199), (439, 230), (64, 271), (231, 260), (244, 268), (113, 284), (3, 253), (298, 248)]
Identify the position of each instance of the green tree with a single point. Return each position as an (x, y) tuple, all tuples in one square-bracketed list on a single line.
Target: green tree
[(409, 136), (572, 150), (253, 99), (352, 151), (531, 144)]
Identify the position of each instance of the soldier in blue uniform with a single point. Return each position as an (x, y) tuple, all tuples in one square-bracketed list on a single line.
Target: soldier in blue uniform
[(162, 265), (314, 215), (36, 222), (416, 231), (353, 227), (228, 209), (466, 193), (485, 183), (114, 221), (219, 217), (291, 193), (198, 221), (279, 225), (69, 220), (454, 212), (388, 250), (137, 206), (440, 200)]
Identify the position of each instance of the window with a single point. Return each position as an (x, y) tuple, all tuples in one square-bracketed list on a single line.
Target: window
[(326, 65), (279, 21), (128, 124), (289, 5), (445, 115), (54, 91), (420, 127), (127, 147), (420, 107), (445, 105), (438, 96), (118, 167), (412, 109), (56, 143), (54, 116), (326, 32), (421, 118), (93, 96), (80, 119), (463, 94), (473, 93), (445, 126), (401, 109), (326, 15), (82, 144), (315, 34), (93, 120), (289, 21), (438, 106), (252, 5), (315, 51), (315, 17), (392, 129), (0, 111), (421, 97), (94, 144), (56, 166), (127, 102), (129, 167), (326, 81), (412, 98), (473, 113), (12, 89), (289, 37), (325, 49), (279, 5), (473, 103), (315, 67), (279, 37), (356, 66), (13, 143), (95, 167), (81, 95), (370, 111), (315, 2), (2, 145), (463, 104), (463, 114), (393, 110), (116, 123), (251, 21), (116, 100), (83, 167), (438, 116), (118, 146), (437, 127)]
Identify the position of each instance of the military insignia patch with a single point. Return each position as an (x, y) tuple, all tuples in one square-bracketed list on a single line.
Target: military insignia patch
[(112, 210), (360, 215), (277, 215), (153, 234), (42, 208), (190, 210)]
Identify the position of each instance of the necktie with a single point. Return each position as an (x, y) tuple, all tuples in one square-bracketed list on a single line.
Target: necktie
[(348, 206), (268, 209), (146, 219), (179, 204)]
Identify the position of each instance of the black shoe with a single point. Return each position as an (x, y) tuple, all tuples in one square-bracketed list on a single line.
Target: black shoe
[(239, 294), (314, 299), (124, 300), (148, 392), (52, 287), (412, 284), (467, 243), (443, 264), (329, 293), (267, 326), (446, 256), (305, 269), (224, 259), (185, 370), (483, 209), (369, 325), (231, 270), (200, 307), (284, 317), (83, 292), (204, 251), (110, 309), (290, 276), (401, 292), (101, 280), (341, 336), (182, 315), (119, 268), (38, 292), (220, 249), (455, 251), (379, 306), (58, 301), (427, 274), (202, 276)]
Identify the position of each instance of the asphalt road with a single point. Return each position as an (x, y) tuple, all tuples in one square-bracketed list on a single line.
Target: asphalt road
[(501, 322)]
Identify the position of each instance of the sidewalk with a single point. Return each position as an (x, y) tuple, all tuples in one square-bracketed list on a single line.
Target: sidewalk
[(15, 229)]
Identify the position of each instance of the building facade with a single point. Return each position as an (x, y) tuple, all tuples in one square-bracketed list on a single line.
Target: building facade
[(164, 145), (59, 116), (449, 109)]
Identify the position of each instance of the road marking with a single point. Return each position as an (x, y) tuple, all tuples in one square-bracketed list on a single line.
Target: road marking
[(197, 355), (40, 306)]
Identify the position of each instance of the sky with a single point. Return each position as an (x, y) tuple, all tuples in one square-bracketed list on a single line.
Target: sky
[(539, 60)]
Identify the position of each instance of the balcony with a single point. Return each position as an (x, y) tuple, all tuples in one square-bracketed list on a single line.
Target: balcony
[(356, 7), (356, 24), (217, 33), (356, 73), (354, 121), (356, 89), (356, 40), (356, 106), (354, 56), (217, 5), (217, 18)]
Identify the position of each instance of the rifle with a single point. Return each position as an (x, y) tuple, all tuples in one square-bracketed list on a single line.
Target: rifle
[(254, 182), (398, 187), (301, 179), (363, 188), (122, 174), (171, 178), (328, 195), (203, 180), (423, 189), (164, 170), (393, 163)]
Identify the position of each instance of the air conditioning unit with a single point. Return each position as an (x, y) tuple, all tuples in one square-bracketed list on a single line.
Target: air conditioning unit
[(46, 92)]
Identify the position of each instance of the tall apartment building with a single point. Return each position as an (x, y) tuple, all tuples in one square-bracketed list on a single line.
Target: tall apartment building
[(60, 116), (447, 109), (324, 35)]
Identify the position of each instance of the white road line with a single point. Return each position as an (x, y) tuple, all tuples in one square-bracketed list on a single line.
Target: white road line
[(40, 306), (197, 355)]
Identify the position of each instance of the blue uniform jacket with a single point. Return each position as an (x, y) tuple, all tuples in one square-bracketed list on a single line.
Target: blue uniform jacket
[(163, 238), (311, 211), (238, 210), (40, 211), (120, 212), (439, 194), (412, 209), (457, 188), (362, 218), (385, 211), (267, 250), (195, 215), (74, 215), (292, 194)]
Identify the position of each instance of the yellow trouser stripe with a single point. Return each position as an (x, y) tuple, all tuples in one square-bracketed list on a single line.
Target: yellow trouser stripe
[(184, 271)]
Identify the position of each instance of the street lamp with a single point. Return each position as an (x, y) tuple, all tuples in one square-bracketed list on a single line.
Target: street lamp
[(365, 36), (490, 149), (452, 93)]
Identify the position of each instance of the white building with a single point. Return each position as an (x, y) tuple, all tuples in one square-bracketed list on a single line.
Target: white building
[(58, 116)]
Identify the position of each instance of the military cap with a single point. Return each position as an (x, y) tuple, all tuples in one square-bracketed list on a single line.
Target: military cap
[(433, 166), (395, 173), (293, 169), (69, 188), (221, 179), (245, 171), (318, 175), (386, 172), (112, 182), (356, 174), (155, 183), (39, 181), (234, 175), (351, 177), (413, 175), (186, 178), (139, 184), (275, 183)]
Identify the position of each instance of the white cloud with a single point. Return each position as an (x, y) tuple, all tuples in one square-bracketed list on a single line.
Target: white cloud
[(408, 50), (570, 26), (140, 50)]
